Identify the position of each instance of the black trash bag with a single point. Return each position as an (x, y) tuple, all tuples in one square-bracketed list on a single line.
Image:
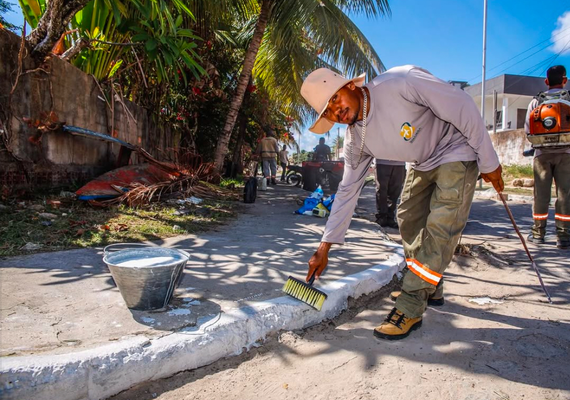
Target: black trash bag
[(250, 190)]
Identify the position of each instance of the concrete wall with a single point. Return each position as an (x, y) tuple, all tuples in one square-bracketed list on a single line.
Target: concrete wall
[(61, 159), (510, 145)]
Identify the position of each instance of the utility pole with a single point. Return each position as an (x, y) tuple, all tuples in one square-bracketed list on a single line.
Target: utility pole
[(337, 143), (494, 112), (484, 69), (299, 149), (484, 58)]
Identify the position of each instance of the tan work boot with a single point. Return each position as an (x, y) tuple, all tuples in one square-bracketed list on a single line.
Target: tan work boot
[(431, 301), (397, 326)]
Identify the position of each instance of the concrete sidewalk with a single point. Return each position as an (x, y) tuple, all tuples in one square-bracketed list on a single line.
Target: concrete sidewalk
[(495, 338), (67, 334)]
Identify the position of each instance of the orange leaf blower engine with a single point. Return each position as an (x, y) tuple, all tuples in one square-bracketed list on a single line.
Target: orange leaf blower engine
[(549, 122)]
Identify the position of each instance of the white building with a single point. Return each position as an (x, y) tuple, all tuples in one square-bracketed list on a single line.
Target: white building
[(514, 93)]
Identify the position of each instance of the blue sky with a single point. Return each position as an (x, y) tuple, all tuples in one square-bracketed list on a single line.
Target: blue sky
[(524, 37)]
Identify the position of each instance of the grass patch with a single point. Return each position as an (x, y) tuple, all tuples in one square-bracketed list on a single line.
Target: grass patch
[(517, 171), (76, 224), (230, 183)]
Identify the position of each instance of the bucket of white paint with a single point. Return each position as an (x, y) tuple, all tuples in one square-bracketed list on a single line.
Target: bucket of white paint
[(146, 276)]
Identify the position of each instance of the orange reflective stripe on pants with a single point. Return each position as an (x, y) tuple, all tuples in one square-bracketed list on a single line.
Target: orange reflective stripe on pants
[(540, 216), (562, 217), (423, 272)]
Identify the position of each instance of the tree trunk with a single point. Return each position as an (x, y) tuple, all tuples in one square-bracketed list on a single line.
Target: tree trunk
[(53, 24), (250, 56), (237, 161), (243, 119)]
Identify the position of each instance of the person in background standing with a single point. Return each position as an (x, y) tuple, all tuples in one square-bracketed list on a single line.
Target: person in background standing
[(322, 151), (551, 164), (390, 177), (284, 160), (268, 150)]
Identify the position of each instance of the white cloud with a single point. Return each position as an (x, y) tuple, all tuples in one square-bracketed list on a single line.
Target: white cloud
[(561, 35)]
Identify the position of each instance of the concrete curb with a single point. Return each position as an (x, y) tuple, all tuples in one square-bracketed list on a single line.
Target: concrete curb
[(107, 370)]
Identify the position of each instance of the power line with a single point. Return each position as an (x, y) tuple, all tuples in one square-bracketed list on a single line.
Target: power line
[(550, 60), (526, 58), (525, 51)]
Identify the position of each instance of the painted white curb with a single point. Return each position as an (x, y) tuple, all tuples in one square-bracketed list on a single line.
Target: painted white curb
[(107, 370)]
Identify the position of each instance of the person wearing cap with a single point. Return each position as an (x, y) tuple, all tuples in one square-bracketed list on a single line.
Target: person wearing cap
[(406, 114), (551, 164)]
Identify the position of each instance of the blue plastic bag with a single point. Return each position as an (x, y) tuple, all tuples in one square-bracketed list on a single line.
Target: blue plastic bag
[(328, 202), (308, 205), (318, 193)]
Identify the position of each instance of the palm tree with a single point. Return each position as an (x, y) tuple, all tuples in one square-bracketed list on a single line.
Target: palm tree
[(104, 34), (291, 31), (338, 143)]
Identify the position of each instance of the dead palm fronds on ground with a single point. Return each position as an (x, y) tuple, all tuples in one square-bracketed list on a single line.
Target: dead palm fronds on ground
[(195, 181)]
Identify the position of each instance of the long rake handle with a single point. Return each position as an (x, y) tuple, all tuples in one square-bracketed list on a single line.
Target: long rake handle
[(525, 247)]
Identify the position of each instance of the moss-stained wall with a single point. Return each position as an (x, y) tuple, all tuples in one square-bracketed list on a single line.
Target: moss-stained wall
[(61, 159), (510, 145)]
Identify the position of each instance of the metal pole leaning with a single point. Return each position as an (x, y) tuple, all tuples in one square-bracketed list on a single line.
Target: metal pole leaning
[(525, 247)]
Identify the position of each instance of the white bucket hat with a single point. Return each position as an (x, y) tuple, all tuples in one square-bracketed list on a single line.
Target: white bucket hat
[(318, 88)]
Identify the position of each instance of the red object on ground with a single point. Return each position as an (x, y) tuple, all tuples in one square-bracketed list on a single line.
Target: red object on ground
[(114, 183), (332, 166)]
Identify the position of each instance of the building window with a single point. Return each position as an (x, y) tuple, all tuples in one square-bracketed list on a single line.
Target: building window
[(521, 116)]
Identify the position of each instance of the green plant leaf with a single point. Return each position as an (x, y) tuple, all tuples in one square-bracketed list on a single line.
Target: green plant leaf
[(140, 37), (113, 70), (179, 21), (150, 45)]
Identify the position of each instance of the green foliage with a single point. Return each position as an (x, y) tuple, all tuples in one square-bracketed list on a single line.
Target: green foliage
[(167, 44), (5, 7), (304, 155), (304, 35), (32, 10), (518, 171), (98, 21), (156, 25), (232, 183)]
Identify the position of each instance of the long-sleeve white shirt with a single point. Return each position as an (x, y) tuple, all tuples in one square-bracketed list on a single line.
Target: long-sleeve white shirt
[(413, 117)]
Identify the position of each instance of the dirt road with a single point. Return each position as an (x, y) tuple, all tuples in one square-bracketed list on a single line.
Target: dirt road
[(496, 338)]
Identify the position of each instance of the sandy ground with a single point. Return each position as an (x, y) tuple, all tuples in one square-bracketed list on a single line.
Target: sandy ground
[(516, 347)]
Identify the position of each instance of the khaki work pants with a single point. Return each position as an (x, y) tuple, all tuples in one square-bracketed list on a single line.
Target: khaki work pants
[(432, 214), (546, 167)]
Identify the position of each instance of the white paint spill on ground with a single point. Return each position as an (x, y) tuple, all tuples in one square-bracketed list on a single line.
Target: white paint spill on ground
[(250, 297), (179, 311), (191, 302), (148, 320), (484, 300)]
